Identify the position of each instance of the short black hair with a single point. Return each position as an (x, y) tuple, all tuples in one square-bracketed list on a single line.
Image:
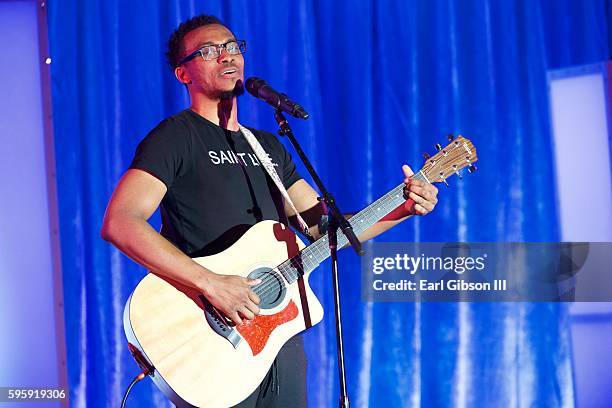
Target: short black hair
[(176, 48)]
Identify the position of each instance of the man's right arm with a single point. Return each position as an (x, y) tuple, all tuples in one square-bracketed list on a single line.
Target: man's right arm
[(125, 225)]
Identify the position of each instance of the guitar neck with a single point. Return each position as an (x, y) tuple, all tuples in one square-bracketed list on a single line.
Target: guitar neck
[(448, 161), (311, 256)]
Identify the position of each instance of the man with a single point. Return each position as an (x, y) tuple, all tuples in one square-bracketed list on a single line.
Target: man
[(199, 167)]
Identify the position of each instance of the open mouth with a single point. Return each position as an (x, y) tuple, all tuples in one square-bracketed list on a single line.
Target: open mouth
[(229, 72)]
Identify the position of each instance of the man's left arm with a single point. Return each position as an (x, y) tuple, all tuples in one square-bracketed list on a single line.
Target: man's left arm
[(422, 198)]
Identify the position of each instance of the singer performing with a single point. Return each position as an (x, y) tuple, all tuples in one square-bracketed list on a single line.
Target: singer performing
[(199, 168)]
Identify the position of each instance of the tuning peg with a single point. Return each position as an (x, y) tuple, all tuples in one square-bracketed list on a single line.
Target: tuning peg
[(472, 168), (443, 179), (456, 169), (426, 156), (438, 146), (450, 137)]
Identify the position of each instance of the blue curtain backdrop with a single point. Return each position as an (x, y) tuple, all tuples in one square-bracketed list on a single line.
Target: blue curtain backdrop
[(384, 81)]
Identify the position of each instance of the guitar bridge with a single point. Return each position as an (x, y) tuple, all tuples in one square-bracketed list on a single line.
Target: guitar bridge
[(219, 324)]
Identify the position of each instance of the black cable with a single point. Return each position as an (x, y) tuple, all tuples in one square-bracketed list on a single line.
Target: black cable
[(134, 381)]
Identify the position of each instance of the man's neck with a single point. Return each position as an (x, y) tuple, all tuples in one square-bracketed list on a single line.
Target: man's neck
[(221, 112)]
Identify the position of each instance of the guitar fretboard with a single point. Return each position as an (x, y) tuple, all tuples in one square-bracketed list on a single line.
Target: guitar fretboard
[(311, 256)]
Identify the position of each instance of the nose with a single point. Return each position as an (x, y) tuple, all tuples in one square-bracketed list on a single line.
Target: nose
[(225, 56)]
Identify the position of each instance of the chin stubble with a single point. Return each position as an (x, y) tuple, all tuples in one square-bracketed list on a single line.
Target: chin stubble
[(237, 91)]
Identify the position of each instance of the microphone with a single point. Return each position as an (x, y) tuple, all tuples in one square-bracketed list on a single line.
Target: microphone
[(260, 89)]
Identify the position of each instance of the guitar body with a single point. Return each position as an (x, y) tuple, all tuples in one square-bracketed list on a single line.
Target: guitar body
[(199, 359)]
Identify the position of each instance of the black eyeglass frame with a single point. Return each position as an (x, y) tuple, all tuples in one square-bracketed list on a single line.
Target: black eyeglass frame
[(241, 47)]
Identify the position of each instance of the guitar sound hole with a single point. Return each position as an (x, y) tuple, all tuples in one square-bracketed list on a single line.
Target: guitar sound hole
[(271, 290)]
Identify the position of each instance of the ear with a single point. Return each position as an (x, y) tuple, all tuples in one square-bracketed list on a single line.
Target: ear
[(182, 75)]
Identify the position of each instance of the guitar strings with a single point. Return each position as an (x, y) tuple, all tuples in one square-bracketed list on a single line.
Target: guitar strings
[(269, 282), (267, 288)]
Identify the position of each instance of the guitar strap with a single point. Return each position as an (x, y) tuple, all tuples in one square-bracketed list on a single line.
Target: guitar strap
[(264, 159)]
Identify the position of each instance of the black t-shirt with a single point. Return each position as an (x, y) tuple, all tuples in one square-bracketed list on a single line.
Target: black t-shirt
[(217, 188)]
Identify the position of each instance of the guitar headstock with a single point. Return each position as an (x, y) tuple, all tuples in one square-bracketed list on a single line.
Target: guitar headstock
[(458, 154)]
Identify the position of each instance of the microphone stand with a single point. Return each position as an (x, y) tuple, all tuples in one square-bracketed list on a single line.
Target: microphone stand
[(336, 220)]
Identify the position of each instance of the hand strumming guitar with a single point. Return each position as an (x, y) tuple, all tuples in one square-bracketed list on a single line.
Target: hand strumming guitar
[(231, 295)]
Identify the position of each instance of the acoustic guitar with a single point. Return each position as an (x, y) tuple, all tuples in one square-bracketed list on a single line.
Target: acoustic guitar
[(199, 357)]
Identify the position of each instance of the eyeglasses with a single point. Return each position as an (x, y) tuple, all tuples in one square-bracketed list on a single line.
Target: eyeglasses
[(212, 51)]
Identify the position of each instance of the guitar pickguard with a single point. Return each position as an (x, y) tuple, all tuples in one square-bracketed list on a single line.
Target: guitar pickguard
[(256, 332)]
